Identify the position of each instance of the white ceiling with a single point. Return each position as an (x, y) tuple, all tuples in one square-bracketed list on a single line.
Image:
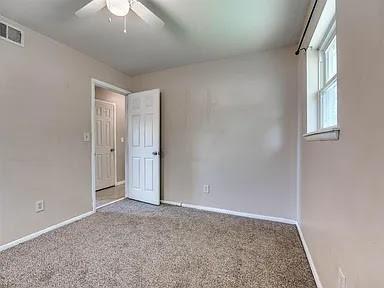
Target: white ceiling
[(195, 30)]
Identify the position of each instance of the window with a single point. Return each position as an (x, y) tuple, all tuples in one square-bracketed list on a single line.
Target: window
[(327, 103), (322, 98)]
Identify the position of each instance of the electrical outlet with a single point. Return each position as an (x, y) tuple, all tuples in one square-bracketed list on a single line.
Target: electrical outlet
[(342, 280), (39, 206), (206, 188)]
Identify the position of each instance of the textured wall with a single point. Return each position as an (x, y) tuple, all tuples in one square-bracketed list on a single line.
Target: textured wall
[(45, 108), (231, 124), (342, 182)]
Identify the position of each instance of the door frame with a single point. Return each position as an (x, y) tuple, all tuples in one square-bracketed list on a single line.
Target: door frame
[(101, 84), (114, 136)]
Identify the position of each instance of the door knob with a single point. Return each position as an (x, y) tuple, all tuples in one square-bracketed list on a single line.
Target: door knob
[(155, 153), (112, 150)]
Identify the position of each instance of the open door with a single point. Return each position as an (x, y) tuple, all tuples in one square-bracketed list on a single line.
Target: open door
[(144, 146)]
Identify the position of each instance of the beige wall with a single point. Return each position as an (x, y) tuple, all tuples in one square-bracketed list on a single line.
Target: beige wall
[(231, 124), (45, 108), (119, 100), (342, 186)]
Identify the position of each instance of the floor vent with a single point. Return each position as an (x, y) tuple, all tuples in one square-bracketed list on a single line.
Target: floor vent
[(11, 34)]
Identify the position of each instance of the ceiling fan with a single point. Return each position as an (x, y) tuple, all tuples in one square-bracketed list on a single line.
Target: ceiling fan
[(121, 8)]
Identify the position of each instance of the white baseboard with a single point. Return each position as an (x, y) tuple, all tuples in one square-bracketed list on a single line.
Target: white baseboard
[(309, 257), (41, 232), (242, 214), (230, 212), (170, 202), (120, 183)]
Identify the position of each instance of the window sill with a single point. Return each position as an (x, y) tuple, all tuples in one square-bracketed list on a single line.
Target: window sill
[(331, 134)]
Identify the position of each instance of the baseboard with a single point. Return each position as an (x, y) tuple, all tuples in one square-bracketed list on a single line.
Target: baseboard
[(46, 230), (120, 183), (242, 214), (309, 257), (230, 212), (170, 202)]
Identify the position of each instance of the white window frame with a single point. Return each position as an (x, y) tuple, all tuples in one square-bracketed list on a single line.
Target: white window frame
[(323, 84), (332, 132)]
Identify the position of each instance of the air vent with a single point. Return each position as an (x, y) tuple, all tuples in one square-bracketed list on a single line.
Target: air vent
[(3, 30), (11, 34)]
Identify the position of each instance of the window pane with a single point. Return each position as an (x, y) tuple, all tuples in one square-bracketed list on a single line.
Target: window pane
[(329, 106), (331, 60)]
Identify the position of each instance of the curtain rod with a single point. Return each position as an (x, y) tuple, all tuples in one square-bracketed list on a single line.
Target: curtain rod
[(305, 30)]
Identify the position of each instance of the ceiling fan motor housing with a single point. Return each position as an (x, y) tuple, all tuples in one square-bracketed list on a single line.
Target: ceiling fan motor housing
[(118, 7)]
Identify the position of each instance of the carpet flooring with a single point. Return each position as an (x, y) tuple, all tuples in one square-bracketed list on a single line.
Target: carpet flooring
[(131, 244)]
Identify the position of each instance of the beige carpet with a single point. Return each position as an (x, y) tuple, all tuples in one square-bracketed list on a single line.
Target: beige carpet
[(130, 244)]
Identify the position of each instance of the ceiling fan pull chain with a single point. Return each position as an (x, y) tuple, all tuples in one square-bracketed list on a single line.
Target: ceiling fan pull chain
[(125, 24)]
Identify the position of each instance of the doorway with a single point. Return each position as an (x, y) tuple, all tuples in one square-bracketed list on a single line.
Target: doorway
[(109, 146), (108, 143), (125, 160)]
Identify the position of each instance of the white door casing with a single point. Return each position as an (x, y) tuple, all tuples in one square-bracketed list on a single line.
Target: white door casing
[(104, 144), (144, 146)]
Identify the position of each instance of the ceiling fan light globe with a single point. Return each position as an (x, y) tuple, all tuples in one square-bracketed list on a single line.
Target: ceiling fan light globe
[(118, 7)]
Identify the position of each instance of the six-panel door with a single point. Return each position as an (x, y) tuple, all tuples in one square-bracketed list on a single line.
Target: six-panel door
[(144, 146), (105, 143)]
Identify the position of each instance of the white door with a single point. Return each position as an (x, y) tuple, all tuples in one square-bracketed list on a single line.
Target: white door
[(105, 144), (144, 146)]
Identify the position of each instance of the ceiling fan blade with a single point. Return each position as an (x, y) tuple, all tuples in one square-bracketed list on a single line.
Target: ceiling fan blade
[(91, 8), (147, 15)]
